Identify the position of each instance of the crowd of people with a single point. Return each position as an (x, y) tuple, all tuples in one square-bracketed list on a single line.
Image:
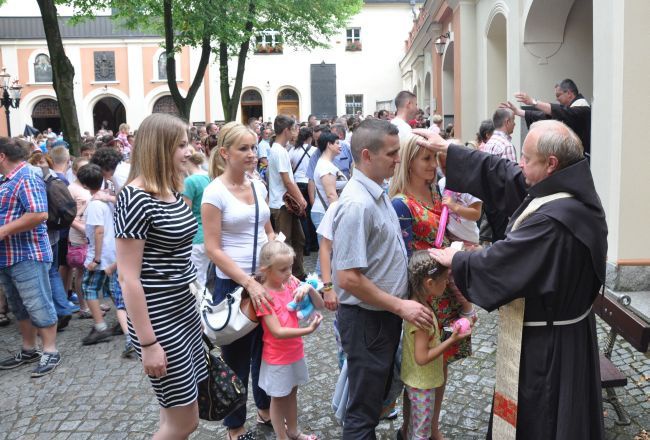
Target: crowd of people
[(232, 205)]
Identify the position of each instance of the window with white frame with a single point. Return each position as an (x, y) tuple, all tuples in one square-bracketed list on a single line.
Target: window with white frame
[(42, 69), (353, 104), (353, 39), (268, 41)]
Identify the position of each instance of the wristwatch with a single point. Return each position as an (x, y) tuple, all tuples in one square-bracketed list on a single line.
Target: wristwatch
[(534, 102), (97, 262)]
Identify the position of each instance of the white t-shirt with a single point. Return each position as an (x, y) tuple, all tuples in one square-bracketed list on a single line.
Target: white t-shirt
[(462, 228), (121, 174), (296, 156), (100, 213), (278, 163), (323, 168), (404, 128), (325, 229), (263, 149), (238, 223)]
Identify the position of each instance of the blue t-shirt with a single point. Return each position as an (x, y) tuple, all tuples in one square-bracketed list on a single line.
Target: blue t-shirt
[(343, 161)]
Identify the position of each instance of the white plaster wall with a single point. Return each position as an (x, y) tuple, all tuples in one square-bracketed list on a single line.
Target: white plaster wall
[(29, 8), (373, 72), (573, 60), (619, 119)]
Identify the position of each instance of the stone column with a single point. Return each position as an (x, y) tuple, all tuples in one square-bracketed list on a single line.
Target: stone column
[(620, 154)]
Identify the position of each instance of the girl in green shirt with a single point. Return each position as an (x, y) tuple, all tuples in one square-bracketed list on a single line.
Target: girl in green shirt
[(422, 349)]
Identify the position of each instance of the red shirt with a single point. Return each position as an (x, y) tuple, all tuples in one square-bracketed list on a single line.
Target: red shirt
[(282, 351)]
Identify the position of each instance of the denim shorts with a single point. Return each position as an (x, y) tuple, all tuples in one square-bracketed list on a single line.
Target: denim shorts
[(27, 287), (97, 281)]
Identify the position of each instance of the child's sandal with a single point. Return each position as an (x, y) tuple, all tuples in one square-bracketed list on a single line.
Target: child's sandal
[(301, 436)]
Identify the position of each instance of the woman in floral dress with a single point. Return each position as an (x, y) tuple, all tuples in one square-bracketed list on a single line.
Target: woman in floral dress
[(419, 205)]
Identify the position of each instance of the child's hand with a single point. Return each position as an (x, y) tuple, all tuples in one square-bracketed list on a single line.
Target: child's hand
[(102, 195), (300, 292), (455, 336), (315, 321), (447, 200)]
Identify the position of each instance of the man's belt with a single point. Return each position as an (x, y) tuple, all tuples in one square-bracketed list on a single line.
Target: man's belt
[(554, 323)]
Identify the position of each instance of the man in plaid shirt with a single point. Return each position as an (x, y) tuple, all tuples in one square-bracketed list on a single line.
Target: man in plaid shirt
[(25, 258), (500, 144)]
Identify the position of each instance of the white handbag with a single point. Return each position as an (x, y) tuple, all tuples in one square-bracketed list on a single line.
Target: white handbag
[(225, 322), (228, 320)]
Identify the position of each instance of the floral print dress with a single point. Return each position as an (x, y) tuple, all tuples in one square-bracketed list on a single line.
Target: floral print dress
[(419, 222)]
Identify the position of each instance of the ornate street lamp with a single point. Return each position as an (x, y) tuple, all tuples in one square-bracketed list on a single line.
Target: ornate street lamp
[(441, 43), (10, 95)]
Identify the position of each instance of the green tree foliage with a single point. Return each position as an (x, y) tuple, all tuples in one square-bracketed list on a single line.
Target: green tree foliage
[(226, 29)]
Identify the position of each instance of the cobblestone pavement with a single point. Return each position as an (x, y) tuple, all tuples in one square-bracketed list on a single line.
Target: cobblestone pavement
[(94, 394)]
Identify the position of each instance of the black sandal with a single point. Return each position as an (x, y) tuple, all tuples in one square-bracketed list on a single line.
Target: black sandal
[(261, 421)]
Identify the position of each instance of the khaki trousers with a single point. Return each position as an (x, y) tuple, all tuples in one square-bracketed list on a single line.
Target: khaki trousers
[(290, 226)]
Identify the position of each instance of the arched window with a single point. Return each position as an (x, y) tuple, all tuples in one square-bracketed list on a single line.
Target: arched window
[(42, 68), (162, 66), (165, 104), (287, 95)]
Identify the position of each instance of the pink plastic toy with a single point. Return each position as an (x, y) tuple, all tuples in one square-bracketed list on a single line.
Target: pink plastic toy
[(462, 326), (444, 215)]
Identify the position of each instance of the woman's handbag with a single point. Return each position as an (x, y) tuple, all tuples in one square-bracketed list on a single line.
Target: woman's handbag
[(76, 255), (228, 320), (222, 392), (292, 205), (234, 316)]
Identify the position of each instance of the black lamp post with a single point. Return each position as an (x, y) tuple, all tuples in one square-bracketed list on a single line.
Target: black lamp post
[(10, 95)]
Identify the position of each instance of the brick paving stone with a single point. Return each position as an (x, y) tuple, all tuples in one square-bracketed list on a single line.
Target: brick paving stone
[(95, 394)]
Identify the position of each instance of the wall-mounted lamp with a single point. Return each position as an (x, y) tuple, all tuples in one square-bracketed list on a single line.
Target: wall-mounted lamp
[(105, 89), (441, 43)]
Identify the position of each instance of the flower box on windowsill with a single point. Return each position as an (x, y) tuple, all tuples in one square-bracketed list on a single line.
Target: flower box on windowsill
[(354, 46), (261, 49)]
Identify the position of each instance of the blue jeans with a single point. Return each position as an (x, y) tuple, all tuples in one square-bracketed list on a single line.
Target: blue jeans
[(244, 356), (27, 288), (316, 218), (59, 296)]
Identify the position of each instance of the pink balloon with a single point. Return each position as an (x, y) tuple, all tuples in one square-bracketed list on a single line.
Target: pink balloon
[(462, 326)]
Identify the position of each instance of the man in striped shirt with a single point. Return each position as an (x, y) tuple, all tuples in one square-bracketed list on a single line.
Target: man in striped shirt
[(25, 258)]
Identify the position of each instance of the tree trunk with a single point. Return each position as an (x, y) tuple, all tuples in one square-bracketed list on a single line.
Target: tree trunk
[(62, 76), (228, 102), (184, 105)]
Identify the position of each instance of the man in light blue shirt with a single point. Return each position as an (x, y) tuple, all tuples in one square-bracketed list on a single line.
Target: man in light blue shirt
[(370, 275)]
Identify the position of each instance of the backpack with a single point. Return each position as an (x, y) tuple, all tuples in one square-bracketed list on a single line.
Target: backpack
[(61, 207)]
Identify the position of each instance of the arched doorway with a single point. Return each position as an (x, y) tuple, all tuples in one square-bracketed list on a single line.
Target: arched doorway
[(46, 115), (165, 104), (289, 103), (497, 62), (448, 109), (251, 105), (108, 113)]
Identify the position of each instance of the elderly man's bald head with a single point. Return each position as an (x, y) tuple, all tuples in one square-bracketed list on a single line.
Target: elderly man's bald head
[(549, 146), (556, 139)]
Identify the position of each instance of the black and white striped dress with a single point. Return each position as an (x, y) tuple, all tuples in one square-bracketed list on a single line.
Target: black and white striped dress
[(168, 230)]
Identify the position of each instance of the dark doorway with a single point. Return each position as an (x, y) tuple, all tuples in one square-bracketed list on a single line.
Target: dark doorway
[(108, 114), (46, 115), (323, 90), (251, 105)]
